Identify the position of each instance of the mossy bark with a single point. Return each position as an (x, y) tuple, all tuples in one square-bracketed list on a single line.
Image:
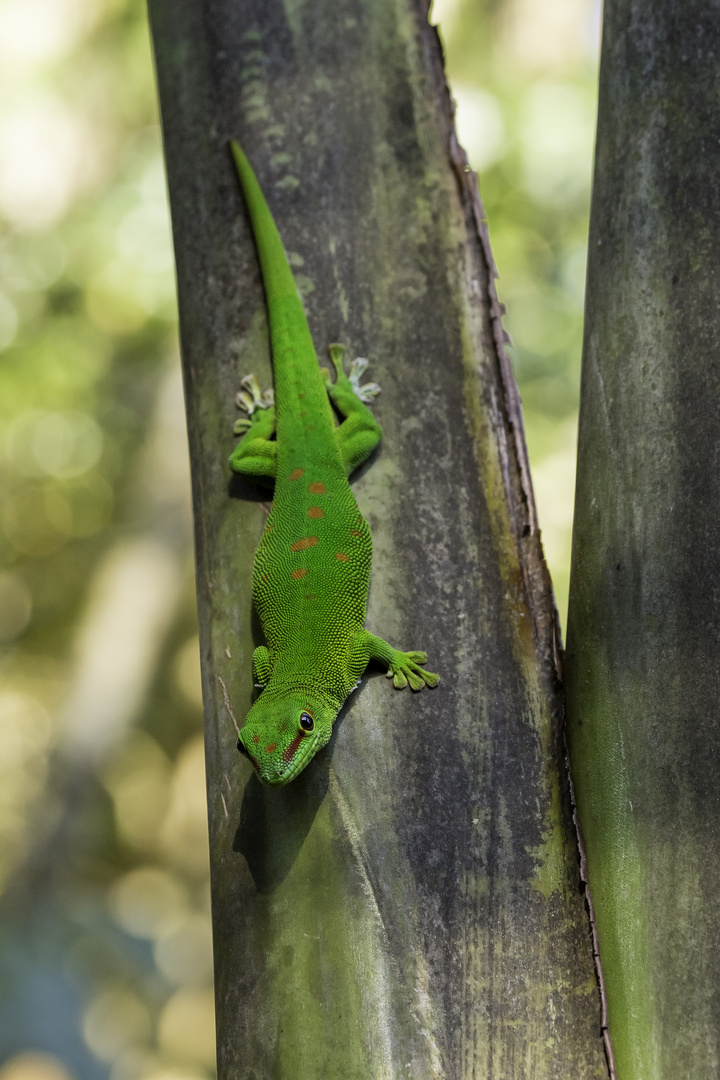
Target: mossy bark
[(643, 662), (410, 905)]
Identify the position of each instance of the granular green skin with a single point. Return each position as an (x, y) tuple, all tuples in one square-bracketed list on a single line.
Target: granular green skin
[(312, 568)]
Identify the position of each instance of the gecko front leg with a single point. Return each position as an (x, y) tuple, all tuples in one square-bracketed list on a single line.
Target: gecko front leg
[(402, 667), (262, 666)]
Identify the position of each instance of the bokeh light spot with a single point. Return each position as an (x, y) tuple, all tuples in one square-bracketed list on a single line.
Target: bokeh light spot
[(115, 1020), (183, 952), (187, 1027), (15, 606), (147, 900), (479, 125), (187, 671), (138, 780), (32, 1065)]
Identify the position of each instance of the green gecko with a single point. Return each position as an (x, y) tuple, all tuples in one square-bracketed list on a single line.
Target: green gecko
[(312, 567)]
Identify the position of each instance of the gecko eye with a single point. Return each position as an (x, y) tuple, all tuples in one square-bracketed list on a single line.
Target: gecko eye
[(242, 749), (306, 722)]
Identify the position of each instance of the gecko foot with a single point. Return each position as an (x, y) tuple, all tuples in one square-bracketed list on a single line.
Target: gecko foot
[(250, 399), (368, 391), (405, 669)]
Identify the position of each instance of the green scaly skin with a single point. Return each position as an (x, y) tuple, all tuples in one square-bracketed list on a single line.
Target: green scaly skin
[(312, 567)]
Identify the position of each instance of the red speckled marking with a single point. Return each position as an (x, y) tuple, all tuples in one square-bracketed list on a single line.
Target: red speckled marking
[(317, 488), (269, 526), (354, 532), (296, 474), (289, 751), (270, 749), (266, 577), (316, 512), (256, 738), (297, 574), (306, 542), (341, 558)]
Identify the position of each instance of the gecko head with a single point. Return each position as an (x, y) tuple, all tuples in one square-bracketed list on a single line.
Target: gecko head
[(280, 736)]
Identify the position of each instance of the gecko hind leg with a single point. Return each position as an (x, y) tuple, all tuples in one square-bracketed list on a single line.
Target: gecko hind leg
[(255, 455), (251, 399), (359, 433)]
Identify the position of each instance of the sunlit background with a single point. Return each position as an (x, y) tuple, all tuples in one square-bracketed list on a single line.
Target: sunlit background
[(105, 962)]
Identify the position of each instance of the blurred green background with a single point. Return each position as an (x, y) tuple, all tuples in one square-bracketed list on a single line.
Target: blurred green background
[(105, 961)]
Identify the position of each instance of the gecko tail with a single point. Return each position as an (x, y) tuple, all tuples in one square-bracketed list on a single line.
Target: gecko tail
[(296, 373), (276, 272)]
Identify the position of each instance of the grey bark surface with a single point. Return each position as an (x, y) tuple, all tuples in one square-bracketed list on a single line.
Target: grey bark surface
[(410, 905), (643, 658)]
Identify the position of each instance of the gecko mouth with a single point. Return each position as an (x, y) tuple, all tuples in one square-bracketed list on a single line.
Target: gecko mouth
[(293, 760), (298, 761)]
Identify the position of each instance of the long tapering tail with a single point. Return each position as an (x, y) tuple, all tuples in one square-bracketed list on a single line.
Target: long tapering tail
[(296, 373), (276, 272)]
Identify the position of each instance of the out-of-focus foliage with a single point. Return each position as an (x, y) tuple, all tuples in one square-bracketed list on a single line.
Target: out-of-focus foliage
[(523, 74), (105, 961), (105, 958)]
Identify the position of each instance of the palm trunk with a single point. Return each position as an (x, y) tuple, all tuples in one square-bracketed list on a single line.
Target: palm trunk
[(410, 905), (643, 670)]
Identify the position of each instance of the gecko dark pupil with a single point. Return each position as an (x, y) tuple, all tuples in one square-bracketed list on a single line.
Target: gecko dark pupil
[(241, 748), (306, 722)]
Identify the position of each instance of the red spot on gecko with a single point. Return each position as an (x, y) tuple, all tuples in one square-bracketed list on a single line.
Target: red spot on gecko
[(266, 577), (256, 738), (297, 574), (290, 749), (316, 512), (300, 545), (354, 532), (271, 748), (317, 488), (296, 474), (341, 558)]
